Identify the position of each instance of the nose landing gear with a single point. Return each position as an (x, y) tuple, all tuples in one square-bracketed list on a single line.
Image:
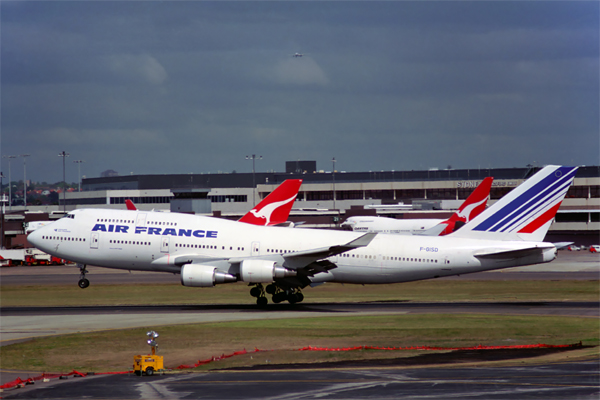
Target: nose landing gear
[(83, 282)]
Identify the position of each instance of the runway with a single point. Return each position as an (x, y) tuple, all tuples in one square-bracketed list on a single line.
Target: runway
[(551, 381)]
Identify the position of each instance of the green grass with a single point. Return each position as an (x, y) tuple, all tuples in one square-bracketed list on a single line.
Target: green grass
[(185, 344), (431, 290)]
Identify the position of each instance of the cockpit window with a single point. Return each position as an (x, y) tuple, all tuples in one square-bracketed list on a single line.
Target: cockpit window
[(72, 216)]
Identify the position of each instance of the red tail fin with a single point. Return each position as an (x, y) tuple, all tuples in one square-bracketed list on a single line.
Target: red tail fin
[(130, 205), (275, 208), (472, 207)]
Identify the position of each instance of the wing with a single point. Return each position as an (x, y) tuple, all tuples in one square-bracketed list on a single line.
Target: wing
[(306, 263)]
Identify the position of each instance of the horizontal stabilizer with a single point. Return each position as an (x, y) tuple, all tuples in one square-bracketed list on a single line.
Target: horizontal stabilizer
[(505, 254), (562, 245)]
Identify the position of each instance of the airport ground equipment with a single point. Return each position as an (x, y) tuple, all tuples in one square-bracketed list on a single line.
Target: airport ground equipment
[(148, 364)]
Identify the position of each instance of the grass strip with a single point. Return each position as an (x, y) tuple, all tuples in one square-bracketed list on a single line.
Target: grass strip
[(185, 344), (238, 293)]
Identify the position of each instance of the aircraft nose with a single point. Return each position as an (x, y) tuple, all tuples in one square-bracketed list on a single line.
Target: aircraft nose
[(35, 237)]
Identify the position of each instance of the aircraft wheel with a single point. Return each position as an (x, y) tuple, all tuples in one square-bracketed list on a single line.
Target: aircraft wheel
[(255, 292), (262, 301), (83, 283), (271, 288), (278, 297), (292, 298), (300, 297)]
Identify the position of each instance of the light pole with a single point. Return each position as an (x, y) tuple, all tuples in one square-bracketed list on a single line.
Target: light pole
[(333, 179), (24, 179), (64, 155), (253, 158), (78, 162), (2, 212), (9, 182)]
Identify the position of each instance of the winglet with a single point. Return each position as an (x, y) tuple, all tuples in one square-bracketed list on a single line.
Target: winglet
[(301, 259), (361, 241)]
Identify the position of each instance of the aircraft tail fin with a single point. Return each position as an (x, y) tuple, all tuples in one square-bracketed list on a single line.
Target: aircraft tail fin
[(275, 208), (470, 208), (130, 205), (526, 212)]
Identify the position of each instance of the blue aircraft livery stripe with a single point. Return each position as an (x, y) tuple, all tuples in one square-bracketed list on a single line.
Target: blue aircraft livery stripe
[(536, 205), (537, 194), (521, 206)]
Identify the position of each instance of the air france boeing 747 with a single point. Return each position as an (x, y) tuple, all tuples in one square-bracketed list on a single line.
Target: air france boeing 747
[(208, 251)]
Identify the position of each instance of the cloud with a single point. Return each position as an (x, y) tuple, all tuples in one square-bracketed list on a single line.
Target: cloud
[(299, 71), (138, 67)]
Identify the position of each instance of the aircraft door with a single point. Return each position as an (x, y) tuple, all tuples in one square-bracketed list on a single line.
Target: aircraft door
[(164, 244), (141, 219), (94, 240), (255, 249)]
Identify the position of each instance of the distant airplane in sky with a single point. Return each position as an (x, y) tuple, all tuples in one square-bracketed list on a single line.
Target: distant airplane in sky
[(297, 55)]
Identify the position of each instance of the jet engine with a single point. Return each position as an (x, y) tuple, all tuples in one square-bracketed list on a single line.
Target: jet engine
[(263, 271), (198, 275)]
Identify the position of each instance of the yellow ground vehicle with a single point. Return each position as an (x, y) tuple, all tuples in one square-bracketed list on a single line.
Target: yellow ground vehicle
[(147, 364)]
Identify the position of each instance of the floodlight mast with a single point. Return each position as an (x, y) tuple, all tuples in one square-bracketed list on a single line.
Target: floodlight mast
[(9, 184), (152, 342), (24, 179), (64, 155), (253, 158)]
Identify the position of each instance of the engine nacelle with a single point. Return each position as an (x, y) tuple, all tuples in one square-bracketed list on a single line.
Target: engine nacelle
[(197, 275), (262, 271)]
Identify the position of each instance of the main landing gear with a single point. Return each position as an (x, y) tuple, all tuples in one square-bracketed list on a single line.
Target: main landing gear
[(279, 295), (83, 282)]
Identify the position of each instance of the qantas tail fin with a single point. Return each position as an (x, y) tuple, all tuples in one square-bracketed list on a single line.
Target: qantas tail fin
[(275, 208), (526, 212), (130, 205), (470, 208)]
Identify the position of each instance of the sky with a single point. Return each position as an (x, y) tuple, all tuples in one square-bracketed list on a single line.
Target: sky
[(148, 87)]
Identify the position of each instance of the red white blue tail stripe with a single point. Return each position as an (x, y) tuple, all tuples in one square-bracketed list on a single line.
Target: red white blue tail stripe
[(526, 213), (537, 202)]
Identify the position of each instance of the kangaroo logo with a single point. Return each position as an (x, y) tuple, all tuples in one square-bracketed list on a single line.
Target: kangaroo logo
[(267, 210), (465, 213)]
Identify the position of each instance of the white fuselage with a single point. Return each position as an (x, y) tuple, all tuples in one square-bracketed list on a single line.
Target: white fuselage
[(151, 241), (391, 225)]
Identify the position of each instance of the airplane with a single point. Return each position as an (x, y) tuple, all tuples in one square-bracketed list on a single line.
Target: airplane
[(297, 55), (272, 210), (208, 251), (469, 209)]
